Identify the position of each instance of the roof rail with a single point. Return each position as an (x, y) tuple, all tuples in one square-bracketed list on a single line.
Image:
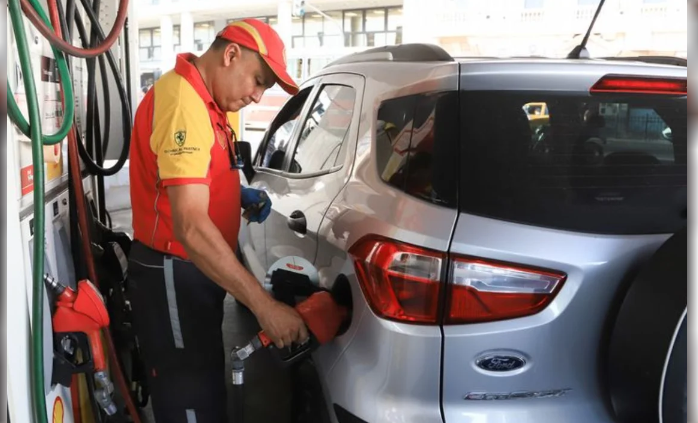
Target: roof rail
[(660, 60), (398, 53)]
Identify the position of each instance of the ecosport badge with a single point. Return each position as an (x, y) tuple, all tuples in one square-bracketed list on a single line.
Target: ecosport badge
[(495, 396)]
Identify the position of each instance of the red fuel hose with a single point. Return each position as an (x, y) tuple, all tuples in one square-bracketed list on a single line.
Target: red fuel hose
[(76, 174), (67, 47)]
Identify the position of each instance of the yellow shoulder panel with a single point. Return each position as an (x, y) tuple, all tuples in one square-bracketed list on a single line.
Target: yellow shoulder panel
[(182, 135)]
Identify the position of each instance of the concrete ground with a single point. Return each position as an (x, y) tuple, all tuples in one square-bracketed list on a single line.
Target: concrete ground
[(267, 386)]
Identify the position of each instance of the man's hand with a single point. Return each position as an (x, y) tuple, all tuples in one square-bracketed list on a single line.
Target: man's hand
[(282, 324), (256, 203)]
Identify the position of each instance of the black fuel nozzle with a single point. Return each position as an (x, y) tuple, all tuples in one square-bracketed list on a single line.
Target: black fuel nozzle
[(288, 356)]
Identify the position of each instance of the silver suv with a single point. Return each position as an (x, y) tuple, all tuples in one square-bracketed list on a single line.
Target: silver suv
[(490, 217)]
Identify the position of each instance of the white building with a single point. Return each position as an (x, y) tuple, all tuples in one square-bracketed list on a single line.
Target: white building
[(463, 27), (549, 27), (167, 27)]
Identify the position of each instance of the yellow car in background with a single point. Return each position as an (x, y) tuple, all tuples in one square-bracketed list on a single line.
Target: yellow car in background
[(537, 114)]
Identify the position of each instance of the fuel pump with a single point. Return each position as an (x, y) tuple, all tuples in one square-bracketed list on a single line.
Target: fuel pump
[(77, 322)]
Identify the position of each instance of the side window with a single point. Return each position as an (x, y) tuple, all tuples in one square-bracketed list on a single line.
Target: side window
[(324, 131), (278, 140), (393, 133), (416, 145)]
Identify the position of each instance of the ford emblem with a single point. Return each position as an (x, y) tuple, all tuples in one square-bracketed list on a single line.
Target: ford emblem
[(500, 363)]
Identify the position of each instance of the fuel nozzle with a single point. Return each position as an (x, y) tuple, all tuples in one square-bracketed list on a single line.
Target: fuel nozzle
[(53, 284)]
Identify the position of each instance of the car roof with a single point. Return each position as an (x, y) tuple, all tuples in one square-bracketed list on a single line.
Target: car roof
[(490, 73)]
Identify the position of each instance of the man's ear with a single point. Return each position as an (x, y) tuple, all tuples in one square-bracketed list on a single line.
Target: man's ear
[(232, 52)]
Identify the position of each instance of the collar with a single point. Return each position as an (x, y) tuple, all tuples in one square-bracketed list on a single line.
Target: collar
[(186, 69)]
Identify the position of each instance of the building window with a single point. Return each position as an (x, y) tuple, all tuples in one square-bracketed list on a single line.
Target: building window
[(350, 28), (373, 27), (150, 45), (272, 21), (312, 30), (534, 4), (269, 20), (204, 34), (177, 37)]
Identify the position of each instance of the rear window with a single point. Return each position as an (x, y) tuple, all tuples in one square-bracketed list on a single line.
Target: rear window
[(609, 165)]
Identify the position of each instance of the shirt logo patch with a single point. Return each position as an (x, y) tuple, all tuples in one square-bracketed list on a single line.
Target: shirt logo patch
[(180, 137)]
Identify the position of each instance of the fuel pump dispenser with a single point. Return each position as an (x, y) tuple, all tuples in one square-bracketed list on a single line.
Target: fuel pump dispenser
[(56, 164)]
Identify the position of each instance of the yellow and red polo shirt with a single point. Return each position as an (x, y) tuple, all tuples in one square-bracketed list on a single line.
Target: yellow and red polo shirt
[(181, 136)]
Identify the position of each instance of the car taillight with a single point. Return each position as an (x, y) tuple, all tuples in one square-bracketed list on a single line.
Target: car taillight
[(400, 282), (640, 85), (483, 291)]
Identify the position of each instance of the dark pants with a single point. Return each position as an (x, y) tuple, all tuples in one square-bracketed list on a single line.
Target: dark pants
[(177, 316)]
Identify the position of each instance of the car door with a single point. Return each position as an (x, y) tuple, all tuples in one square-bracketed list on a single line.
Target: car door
[(317, 169), (268, 164)]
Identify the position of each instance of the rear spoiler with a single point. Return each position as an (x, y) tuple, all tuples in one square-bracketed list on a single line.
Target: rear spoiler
[(658, 60)]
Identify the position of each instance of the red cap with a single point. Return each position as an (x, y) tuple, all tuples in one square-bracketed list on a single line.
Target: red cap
[(260, 37)]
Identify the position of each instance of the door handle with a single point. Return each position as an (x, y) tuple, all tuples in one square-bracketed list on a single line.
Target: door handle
[(297, 222)]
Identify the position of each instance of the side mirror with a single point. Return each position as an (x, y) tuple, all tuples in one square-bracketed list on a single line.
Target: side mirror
[(245, 150)]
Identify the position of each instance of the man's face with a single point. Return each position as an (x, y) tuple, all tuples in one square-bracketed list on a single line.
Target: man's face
[(242, 79)]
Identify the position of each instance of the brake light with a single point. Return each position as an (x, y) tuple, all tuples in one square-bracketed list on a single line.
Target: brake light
[(640, 85), (482, 291), (400, 282)]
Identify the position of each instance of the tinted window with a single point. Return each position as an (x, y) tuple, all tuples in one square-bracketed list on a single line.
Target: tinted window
[(591, 164), (325, 130), (280, 132), (416, 142)]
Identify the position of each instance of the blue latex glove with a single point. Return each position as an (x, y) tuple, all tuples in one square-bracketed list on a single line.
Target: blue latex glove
[(256, 203)]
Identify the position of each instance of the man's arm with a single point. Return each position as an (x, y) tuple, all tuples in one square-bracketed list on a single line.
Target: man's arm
[(210, 253)]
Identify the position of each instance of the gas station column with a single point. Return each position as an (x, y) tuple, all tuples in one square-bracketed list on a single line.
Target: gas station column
[(284, 26), (167, 43), (186, 32)]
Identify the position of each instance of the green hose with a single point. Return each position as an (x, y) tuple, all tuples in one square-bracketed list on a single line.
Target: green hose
[(37, 355), (13, 109)]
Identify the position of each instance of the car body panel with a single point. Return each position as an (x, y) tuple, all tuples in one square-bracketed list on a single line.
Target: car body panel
[(255, 245), (560, 344), (384, 371), (371, 368), (310, 195)]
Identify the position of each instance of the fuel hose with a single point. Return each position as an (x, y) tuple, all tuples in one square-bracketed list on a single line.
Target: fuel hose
[(95, 140), (33, 128), (82, 211), (37, 329), (93, 165), (35, 18), (15, 114)]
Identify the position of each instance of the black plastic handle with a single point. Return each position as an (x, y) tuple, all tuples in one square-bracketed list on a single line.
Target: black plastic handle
[(297, 222)]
